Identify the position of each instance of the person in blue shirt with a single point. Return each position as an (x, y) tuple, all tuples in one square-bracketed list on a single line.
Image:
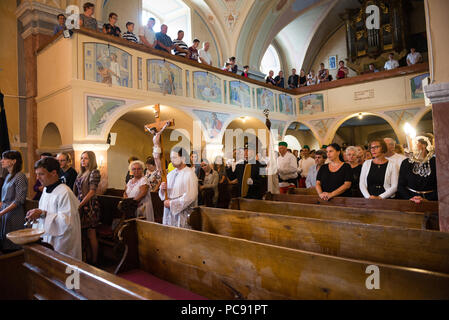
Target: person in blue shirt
[(61, 24), (164, 42)]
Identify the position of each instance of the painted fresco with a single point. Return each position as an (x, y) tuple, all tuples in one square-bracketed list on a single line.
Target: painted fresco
[(139, 73), (207, 87), (265, 99), (416, 86), (188, 82), (311, 104), (107, 64), (99, 109), (279, 126), (212, 122), (164, 77), (400, 117), (286, 104), (239, 94)]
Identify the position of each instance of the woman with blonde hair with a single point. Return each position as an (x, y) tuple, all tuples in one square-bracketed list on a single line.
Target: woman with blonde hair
[(138, 188), (86, 185), (354, 161)]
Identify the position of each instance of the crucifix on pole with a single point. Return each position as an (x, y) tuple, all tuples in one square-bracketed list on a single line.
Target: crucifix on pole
[(156, 129)]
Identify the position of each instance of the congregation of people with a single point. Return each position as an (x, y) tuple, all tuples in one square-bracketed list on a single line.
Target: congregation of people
[(311, 78), (69, 209), (163, 42)]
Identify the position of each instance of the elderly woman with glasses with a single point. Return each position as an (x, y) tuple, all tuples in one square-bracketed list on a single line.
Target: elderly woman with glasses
[(138, 188), (379, 176)]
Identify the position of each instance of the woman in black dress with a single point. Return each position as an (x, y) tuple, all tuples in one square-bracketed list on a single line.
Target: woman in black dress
[(417, 176), (379, 177), (335, 178)]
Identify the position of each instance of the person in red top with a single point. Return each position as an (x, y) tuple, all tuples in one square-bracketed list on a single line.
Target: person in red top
[(193, 50), (245, 72), (342, 71)]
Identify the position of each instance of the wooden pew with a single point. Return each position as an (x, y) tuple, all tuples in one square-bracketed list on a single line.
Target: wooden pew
[(411, 220), (361, 203), (13, 285), (429, 208), (413, 248), (222, 267), (303, 191), (46, 277)]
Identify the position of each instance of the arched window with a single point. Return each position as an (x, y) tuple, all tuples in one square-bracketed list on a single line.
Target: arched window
[(270, 61), (174, 13)]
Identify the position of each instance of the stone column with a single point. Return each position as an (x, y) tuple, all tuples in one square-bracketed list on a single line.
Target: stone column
[(438, 93), (439, 96), (38, 21)]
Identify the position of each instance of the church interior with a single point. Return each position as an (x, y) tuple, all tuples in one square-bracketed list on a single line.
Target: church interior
[(224, 150)]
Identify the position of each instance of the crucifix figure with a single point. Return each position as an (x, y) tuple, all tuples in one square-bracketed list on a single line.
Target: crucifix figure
[(156, 129)]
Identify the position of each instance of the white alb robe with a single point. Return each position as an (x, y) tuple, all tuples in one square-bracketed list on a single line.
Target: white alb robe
[(62, 223), (182, 191)]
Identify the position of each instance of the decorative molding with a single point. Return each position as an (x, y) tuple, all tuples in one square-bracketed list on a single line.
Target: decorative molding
[(37, 18), (437, 93), (363, 95)]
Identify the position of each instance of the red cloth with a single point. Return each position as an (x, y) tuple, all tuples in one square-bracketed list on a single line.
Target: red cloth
[(151, 282), (301, 182)]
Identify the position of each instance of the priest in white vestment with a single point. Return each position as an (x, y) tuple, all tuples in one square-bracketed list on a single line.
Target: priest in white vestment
[(58, 211), (182, 191)]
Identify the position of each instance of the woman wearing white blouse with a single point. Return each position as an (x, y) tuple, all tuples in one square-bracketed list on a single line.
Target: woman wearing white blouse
[(138, 188), (379, 178)]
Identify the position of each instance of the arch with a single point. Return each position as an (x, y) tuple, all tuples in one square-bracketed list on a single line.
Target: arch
[(254, 123), (311, 128), (128, 108), (304, 140), (420, 115), (331, 135), (233, 118), (51, 137), (424, 122)]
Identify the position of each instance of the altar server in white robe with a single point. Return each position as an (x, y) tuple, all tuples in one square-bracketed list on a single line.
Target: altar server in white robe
[(182, 191), (58, 211)]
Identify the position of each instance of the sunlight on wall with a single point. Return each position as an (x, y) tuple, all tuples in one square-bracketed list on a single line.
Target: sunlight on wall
[(174, 13), (270, 61)]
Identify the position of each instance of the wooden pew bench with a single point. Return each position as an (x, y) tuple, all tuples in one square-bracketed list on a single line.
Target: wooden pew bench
[(386, 204), (413, 248), (13, 285), (428, 210), (411, 220), (222, 267), (47, 272)]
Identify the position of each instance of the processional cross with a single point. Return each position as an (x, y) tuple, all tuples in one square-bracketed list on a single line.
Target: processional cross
[(156, 129)]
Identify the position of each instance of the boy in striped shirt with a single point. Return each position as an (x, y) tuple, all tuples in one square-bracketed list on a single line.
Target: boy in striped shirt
[(129, 35)]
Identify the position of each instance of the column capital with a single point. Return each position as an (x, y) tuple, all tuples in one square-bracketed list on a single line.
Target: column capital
[(37, 18), (437, 93), (81, 147)]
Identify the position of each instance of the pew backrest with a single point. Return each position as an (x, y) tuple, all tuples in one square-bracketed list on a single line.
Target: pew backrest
[(53, 276), (386, 204), (422, 249), (13, 285), (414, 220), (221, 267)]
